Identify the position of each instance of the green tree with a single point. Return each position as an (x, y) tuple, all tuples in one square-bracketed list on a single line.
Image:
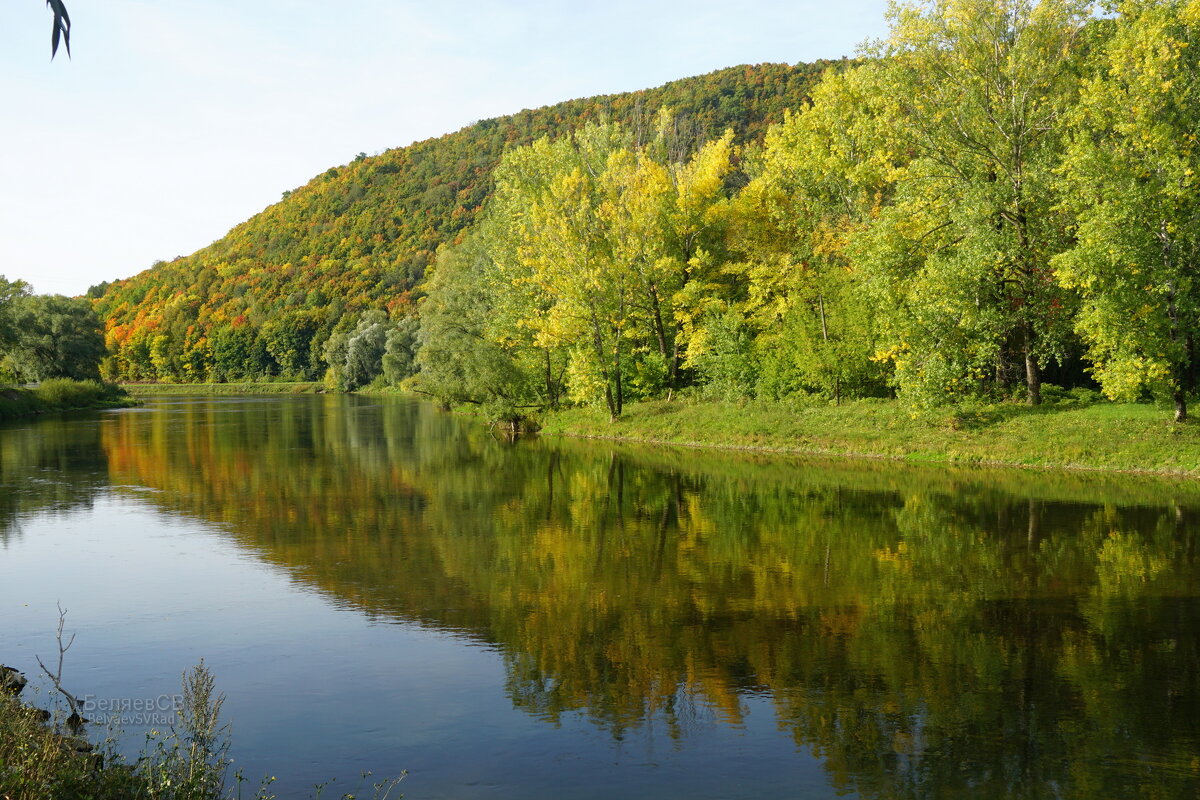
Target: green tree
[(973, 93), (238, 353), (288, 339), (820, 177), (11, 294), (60, 337), (399, 351), (469, 351), (1131, 178)]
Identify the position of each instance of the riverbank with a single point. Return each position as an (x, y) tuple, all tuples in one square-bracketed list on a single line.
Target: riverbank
[(1071, 433), (60, 394), (281, 387)]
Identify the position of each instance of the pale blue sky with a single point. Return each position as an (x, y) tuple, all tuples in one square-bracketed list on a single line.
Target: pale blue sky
[(177, 119)]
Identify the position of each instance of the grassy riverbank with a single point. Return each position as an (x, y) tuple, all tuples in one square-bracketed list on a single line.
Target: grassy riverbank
[(156, 389), (60, 394), (1071, 433), (35, 761)]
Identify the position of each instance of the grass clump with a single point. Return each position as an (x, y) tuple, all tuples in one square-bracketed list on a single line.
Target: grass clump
[(60, 394), (64, 393), (190, 761), (36, 762)]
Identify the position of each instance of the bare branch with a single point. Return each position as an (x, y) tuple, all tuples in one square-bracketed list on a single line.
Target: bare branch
[(76, 719)]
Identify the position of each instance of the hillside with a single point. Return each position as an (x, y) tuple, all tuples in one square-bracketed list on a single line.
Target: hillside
[(263, 299)]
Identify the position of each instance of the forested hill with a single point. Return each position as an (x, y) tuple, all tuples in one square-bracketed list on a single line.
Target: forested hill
[(361, 235)]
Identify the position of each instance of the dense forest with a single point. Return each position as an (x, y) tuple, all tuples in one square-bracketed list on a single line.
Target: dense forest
[(999, 194)]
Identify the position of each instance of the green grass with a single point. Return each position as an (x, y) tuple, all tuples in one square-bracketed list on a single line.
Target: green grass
[(34, 762), (281, 387), (1070, 434), (60, 394)]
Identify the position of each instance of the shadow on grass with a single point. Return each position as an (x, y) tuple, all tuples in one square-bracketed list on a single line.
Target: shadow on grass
[(979, 418)]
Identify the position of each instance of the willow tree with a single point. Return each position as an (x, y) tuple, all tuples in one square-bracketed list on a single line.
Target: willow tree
[(467, 351), (1131, 177), (974, 92)]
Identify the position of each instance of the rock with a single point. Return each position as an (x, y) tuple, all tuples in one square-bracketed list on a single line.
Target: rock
[(11, 680)]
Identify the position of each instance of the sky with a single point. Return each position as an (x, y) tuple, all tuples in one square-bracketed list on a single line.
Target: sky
[(174, 120)]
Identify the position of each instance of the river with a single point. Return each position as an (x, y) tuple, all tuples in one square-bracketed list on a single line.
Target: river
[(380, 587)]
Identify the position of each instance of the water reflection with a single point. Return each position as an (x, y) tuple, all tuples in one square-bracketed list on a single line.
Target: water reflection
[(925, 632), (52, 465)]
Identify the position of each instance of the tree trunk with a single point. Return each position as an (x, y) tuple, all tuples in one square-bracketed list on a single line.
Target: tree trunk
[(614, 403), (1180, 406), (1033, 377), (553, 385), (617, 374), (660, 333)]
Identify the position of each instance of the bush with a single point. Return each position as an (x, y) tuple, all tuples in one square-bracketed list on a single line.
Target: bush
[(67, 393), (60, 394)]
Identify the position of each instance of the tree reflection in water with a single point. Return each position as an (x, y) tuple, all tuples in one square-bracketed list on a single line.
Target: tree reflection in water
[(926, 632)]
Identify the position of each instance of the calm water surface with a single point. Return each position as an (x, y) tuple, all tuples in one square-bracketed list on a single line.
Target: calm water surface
[(381, 587)]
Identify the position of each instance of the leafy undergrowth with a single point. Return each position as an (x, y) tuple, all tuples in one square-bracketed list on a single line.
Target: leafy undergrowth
[(1069, 433)]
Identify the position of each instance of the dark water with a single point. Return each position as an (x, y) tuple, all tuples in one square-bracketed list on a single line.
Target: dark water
[(378, 586)]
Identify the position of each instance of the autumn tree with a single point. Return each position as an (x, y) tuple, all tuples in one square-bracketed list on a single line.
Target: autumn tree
[(594, 240)]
